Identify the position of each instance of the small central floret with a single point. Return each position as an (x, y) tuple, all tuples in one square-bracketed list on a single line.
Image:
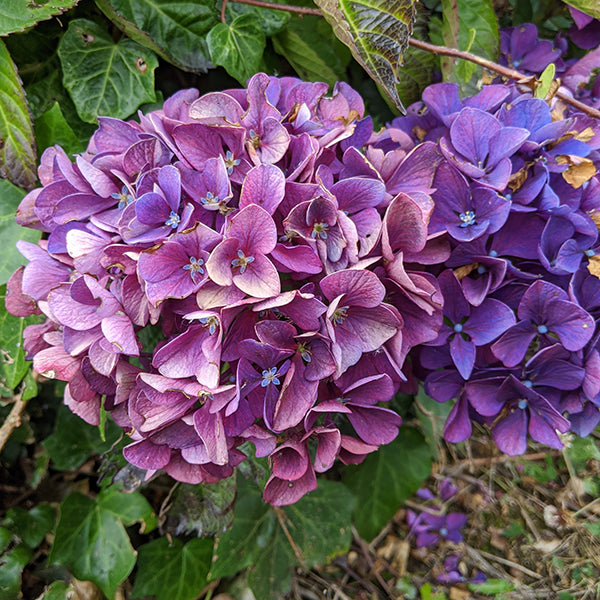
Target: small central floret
[(124, 197), (320, 231), (270, 376), (231, 161), (173, 220), (467, 218), (194, 266), (337, 318), (542, 329), (304, 351), (211, 322), (210, 199), (242, 261), (522, 404), (458, 328)]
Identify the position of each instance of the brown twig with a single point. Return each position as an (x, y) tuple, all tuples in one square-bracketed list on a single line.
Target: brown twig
[(437, 50), (13, 420), (281, 517), (223, 20)]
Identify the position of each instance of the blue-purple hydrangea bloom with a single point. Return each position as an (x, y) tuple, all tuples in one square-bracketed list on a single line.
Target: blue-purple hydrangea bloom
[(287, 260)]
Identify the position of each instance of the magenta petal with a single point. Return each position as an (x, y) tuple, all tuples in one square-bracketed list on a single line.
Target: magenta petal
[(118, 330), (373, 424), (265, 186), (260, 279), (254, 229), (146, 455), (210, 429), (510, 433), (361, 288), (280, 492), (463, 355), (219, 265)]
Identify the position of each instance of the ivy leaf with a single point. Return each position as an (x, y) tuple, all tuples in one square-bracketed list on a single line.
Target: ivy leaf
[(30, 527), (104, 77), (91, 539), (11, 567), (17, 15), (57, 591), (318, 526), (305, 45), (203, 509), (13, 366), (377, 33), (469, 25), (52, 128), (73, 441), (176, 31), (589, 7), (386, 479), (171, 571), (130, 508), (10, 231), (17, 144), (238, 46)]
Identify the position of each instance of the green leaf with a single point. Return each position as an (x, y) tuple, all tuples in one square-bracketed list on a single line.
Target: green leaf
[(203, 509), (172, 571), (491, 587), (589, 7), (593, 528), (10, 231), (92, 542), (52, 128), (377, 33), (468, 25), (238, 46), (17, 15), (13, 366), (17, 144), (104, 77), (57, 591), (416, 74), (386, 479), (546, 79), (580, 450), (130, 508), (318, 524), (11, 567), (30, 527), (176, 31), (5, 537), (432, 415), (272, 21), (309, 51), (73, 440)]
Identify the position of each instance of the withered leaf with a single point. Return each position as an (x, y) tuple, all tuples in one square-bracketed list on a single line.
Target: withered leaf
[(579, 171)]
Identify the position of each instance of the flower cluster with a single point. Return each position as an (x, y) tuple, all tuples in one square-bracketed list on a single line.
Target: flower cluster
[(517, 201), (213, 275)]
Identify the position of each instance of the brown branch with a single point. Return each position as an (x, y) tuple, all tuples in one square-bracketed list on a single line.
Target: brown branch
[(281, 517), (437, 50), (13, 420), (501, 70)]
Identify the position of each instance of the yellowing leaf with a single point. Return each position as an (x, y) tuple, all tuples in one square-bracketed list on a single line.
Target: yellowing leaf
[(377, 33)]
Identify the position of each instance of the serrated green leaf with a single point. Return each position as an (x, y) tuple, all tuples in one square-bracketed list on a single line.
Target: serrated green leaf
[(377, 33), (416, 74), (272, 21), (92, 542), (176, 31), (589, 7), (205, 509), (104, 77), (545, 80), (468, 24), (17, 15), (432, 415), (308, 51), (30, 526), (238, 46), (386, 479), (52, 128), (129, 508), (10, 231), (172, 571), (13, 366), (73, 440), (319, 525), (11, 567), (17, 145)]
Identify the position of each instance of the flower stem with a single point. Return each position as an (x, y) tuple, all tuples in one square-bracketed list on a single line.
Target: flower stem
[(437, 50)]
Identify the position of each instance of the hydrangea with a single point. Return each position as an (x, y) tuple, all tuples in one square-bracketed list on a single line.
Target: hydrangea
[(212, 275)]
